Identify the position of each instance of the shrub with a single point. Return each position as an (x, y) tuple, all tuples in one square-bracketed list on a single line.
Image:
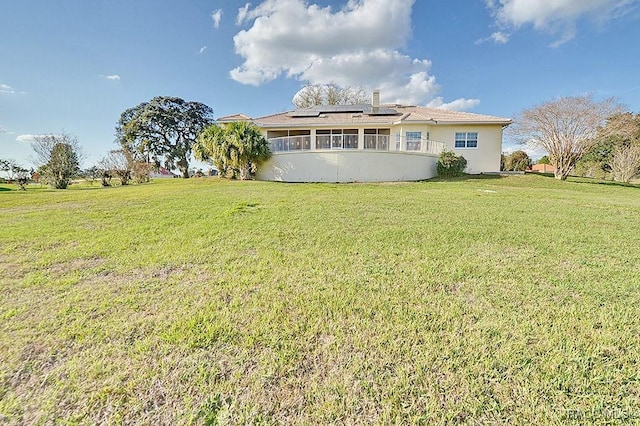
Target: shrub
[(517, 161), (544, 160), (451, 165)]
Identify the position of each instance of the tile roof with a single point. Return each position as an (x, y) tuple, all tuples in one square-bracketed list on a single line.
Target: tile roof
[(403, 113), (234, 117)]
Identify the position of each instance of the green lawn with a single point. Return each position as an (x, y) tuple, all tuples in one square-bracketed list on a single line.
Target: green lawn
[(495, 300)]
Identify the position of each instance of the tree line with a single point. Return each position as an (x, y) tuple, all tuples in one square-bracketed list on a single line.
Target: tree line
[(579, 134), (167, 131), (164, 132)]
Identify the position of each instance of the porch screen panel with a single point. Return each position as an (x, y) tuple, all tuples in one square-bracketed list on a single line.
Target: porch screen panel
[(377, 139), (323, 139), (350, 139), (336, 139)]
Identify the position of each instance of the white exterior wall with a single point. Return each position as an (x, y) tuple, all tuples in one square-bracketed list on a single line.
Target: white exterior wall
[(384, 166), (486, 157), (402, 130), (347, 166)]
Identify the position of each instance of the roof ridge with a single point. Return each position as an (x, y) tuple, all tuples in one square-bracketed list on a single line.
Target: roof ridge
[(274, 115)]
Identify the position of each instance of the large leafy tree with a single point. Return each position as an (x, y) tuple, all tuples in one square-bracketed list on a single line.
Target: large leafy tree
[(566, 128), (58, 157), (517, 161), (163, 129), (236, 149)]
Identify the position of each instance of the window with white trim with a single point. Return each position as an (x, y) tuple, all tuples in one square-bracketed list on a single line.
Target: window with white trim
[(414, 141), (466, 140)]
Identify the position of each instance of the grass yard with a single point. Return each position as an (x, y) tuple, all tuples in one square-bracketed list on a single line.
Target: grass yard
[(488, 300)]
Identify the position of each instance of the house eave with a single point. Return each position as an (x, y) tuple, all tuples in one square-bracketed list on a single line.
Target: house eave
[(378, 124), (473, 123), (321, 125)]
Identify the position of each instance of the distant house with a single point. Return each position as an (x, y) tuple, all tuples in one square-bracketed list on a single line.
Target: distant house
[(542, 168), (232, 118), (373, 142), (162, 173)]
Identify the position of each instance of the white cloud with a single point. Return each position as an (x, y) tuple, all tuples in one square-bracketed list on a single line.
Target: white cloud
[(5, 88), (4, 131), (499, 37), (26, 138), (457, 105), (242, 14), (29, 138), (216, 17), (113, 77), (358, 45), (202, 49), (556, 17)]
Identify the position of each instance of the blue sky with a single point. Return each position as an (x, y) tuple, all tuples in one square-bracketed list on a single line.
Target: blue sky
[(75, 65)]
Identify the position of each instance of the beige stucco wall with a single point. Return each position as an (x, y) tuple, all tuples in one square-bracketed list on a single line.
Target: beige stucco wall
[(347, 166), (376, 166), (484, 158)]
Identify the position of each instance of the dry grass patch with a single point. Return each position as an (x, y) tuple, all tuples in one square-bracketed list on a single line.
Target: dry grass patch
[(249, 302)]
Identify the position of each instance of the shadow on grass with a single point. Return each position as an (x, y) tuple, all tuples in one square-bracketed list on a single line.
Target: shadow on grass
[(465, 178), (89, 188), (44, 188), (590, 181)]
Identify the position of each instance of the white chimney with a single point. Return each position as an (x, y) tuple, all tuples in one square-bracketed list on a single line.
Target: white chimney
[(376, 99)]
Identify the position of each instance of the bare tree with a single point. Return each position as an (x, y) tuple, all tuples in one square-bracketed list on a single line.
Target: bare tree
[(308, 96), (59, 158), (625, 162), (328, 94), (116, 163), (566, 128), (15, 172), (618, 149), (625, 127), (43, 145)]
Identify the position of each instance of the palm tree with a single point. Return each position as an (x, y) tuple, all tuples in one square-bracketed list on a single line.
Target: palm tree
[(236, 149)]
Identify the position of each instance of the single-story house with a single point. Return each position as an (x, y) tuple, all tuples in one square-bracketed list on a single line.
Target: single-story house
[(374, 142), (542, 168), (162, 173)]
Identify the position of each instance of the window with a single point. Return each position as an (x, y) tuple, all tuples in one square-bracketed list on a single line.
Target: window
[(377, 139), (323, 139), (466, 140), (285, 140), (337, 139), (350, 139), (414, 140)]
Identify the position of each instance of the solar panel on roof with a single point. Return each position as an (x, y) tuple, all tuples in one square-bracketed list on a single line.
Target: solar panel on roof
[(315, 111), (304, 113), (327, 109), (382, 111)]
